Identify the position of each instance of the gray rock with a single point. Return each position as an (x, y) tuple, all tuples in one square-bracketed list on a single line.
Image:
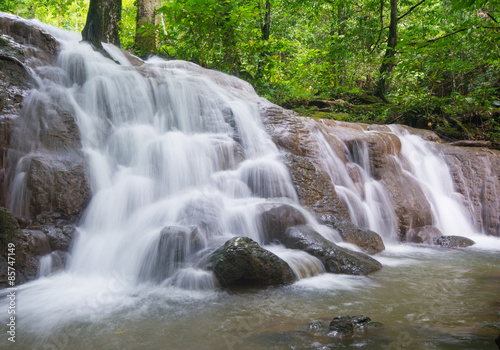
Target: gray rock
[(335, 259), (427, 235), (367, 240), (59, 239), (275, 218), (241, 261), (8, 228), (347, 325), (174, 246), (454, 242)]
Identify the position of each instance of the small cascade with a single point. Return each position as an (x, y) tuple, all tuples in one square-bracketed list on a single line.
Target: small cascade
[(51, 263), (433, 174), (365, 198)]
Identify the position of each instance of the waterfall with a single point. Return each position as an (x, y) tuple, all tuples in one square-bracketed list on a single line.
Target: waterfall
[(344, 153), (179, 162), (434, 177), (364, 197)]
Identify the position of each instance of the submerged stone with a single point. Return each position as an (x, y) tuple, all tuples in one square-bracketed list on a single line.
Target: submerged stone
[(241, 261), (347, 325)]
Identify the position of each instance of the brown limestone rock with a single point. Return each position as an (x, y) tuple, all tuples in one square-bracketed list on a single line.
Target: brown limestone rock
[(476, 175)]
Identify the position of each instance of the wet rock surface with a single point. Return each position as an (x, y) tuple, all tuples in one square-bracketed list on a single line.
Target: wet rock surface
[(241, 261), (347, 325), (335, 259), (276, 218), (426, 235), (454, 241), (38, 128), (30, 244), (174, 245), (476, 175), (367, 240)]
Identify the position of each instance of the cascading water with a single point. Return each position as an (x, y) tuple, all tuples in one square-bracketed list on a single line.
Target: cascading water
[(366, 199), (179, 162), (154, 216), (431, 171)]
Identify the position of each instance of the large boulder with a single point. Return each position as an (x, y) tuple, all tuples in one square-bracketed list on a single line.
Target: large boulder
[(29, 247), (276, 218), (32, 243), (241, 261), (367, 240), (39, 134), (57, 185), (335, 259), (39, 47)]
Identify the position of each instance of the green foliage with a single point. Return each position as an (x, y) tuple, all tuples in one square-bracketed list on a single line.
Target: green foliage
[(446, 72), (67, 14), (127, 25)]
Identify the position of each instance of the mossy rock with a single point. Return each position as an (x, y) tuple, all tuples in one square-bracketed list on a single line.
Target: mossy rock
[(8, 226), (449, 132)]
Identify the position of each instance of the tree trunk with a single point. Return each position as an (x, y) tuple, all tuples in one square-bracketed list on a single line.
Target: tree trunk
[(265, 29), (266, 25), (92, 31), (390, 53), (145, 43), (112, 16)]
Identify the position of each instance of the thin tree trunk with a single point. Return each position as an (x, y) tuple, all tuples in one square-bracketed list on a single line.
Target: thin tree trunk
[(266, 25), (92, 31), (145, 43), (112, 15), (390, 53), (265, 35)]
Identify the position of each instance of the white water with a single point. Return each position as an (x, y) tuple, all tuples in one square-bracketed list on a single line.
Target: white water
[(366, 199), (434, 176), (368, 202), (162, 152), (179, 163)]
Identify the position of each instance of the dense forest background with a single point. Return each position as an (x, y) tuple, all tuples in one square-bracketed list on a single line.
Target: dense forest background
[(432, 63)]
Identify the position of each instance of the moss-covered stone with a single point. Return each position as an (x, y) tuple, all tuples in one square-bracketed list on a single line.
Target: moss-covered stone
[(8, 226)]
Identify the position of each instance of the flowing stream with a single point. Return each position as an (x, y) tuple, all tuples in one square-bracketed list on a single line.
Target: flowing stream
[(179, 163)]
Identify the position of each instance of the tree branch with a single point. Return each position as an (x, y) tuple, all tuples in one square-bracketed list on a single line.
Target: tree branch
[(405, 14), (447, 35), (491, 16), (381, 26), (410, 10)]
